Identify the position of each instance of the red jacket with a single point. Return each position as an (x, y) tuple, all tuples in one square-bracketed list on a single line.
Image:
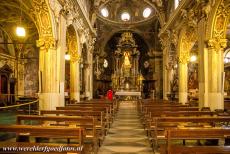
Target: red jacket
[(110, 95)]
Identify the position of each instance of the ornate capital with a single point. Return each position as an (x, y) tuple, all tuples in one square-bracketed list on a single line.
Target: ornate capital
[(189, 17), (217, 44), (174, 37), (75, 57), (165, 40), (169, 66), (46, 43), (203, 8), (192, 18), (184, 57)]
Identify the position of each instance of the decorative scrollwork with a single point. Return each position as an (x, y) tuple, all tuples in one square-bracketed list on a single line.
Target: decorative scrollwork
[(46, 43), (217, 44)]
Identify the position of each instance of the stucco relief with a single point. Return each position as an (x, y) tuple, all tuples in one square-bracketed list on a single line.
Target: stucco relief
[(46, 43), (43, 17), (221, 21), (217, 44), (72, 46)]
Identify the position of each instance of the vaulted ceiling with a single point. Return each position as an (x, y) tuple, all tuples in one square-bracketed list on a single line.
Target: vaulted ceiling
[(134, 8), (15, 13)]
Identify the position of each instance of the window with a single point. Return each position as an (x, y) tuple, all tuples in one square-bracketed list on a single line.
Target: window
[(147, 12), (104, 12), (125, 16), (227, 57), (105, 63), (176, 3)]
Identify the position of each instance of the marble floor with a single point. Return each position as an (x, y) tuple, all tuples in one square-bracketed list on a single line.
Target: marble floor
[(126, 136)]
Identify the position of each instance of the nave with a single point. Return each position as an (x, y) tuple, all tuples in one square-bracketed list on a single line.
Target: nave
[(120, 127), (126, 135)]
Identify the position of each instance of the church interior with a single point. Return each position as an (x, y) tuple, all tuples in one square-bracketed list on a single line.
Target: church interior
[(115, 76)]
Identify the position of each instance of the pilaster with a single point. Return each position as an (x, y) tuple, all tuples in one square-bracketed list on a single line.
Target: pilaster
[(203, 65), (183, 77), (75, 80), (216, 72), (49, 96), (165, 42)]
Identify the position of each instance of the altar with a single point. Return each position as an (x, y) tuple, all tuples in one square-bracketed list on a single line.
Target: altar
[(128, 95), (127, 79)]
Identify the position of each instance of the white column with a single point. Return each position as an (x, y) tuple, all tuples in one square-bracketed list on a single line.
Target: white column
[(183, 82), (75, 80), (203, 66), (216, 70), (61, 49), (89, 86), (165, 75), (166, 82), (49, 97)]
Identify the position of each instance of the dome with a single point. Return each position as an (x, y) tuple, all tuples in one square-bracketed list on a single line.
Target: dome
[(126, 11)]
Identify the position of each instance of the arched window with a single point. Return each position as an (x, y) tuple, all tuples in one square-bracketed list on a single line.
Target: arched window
[(227, 56), (125, 16), (176, 3)]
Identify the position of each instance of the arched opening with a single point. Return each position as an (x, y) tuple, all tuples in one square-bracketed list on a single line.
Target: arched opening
[(19, 55), (105, 63), (193, 84), (188, 66), (71, 64), (227, 65), (227, 73)]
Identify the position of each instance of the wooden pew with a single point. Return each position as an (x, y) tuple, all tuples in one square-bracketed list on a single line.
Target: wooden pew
[(181, 113), (157, 105), (105, 109), (149, 110), (110, 106), (160, 124), (114, 103), (99, 117), (45, 132), (148, 119), (197, 134), (88, 123)]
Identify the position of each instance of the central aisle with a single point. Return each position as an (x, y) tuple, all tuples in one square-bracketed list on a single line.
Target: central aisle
[(126, 136)]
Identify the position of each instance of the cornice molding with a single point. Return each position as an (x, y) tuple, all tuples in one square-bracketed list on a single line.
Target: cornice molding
[(86, 19), (174, 16)]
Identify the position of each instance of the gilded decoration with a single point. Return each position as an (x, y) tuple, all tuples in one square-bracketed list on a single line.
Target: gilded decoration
[(127, 38), (43, 18), (174, 37), (187, 42), (184, 57), (217, 44), (126, 76), (221, 20), (46, 43), (165, 42), (72, 47)]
